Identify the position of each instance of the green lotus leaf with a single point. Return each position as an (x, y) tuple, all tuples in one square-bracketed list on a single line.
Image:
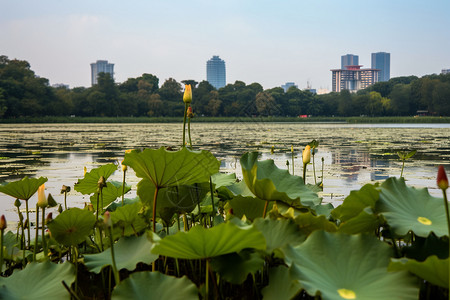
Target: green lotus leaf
[(266, 181), (279, 233), (89, 184), (38, 281), (251, 207), (324, 209), (281, 285), (422, 248), (110, 193), (406, 208), (308, 223), (220, 179), (354, 203), (115, 205), (341, 266), (240, 188), (366, 221), (128, 252), (200, 243), (235, 267), (22, 189), (127, 220), (155, 286), (72, 226), (433, 269), (181, 199), (171, 168)]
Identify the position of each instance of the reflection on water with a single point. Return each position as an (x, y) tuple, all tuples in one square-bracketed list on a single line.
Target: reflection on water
[(353, 154)]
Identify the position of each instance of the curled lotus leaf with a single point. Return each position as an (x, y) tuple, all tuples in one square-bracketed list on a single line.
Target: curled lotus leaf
[(22, 189)]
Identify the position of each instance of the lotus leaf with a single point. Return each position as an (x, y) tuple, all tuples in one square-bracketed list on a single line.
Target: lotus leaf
[(110, 193), (72, 226), (235, 267), (309, 223), (220, 179), (366, 221), (128, 252), (341, 266), (171, 168), (89, 184), (127, 220), (251, 207), (281, 285), (240, 188), (279, 233), (154, 285), (22, 189), (200, 243), (37, 281), (433, 269), (422, 248), (354, 203), (406, 208), (266, 181)]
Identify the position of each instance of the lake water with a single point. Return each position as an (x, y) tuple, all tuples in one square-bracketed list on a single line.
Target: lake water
[(353, 154)]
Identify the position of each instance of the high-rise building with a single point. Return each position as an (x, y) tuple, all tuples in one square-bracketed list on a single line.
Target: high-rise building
[(287, 86), (215, 72), (353, 78), (349, 60), (445, 71), (382, 62), (99, 67)]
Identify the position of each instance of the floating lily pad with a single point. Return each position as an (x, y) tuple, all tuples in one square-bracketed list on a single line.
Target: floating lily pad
[(38, 281), (341, 266), (22, 189), (72, 226), (266, 181), (200, 243), (89, 184), (128, 252), (406, 208), (154, 285)]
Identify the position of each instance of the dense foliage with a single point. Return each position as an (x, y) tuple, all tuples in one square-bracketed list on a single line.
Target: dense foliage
[(23, 94)]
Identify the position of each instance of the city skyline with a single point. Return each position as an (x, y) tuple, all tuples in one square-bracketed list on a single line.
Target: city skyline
[(300, 43)]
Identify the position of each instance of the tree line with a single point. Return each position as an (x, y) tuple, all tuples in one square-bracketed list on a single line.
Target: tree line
[(23, 94)]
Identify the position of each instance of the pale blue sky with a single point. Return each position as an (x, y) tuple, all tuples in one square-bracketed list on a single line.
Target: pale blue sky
[(269, 42)]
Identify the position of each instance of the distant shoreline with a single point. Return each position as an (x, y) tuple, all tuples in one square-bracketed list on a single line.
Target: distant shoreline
[(349, 120)]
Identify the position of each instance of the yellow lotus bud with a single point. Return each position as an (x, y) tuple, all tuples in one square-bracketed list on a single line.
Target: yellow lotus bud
[(292, 148), (187, 97), (85, 171), (306, 155), (42, 199)]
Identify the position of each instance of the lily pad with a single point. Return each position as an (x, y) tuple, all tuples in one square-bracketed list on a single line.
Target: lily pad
[(341, 266), (154, 285), (72, 226), (266, 181), (171, 168), (433, 269), (128, 252), (200, 243), (22, 189), (406, 208), (89, 184), (38, 281)]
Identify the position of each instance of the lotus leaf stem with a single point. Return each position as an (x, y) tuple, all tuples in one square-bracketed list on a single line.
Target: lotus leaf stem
[(1, 250), (123, 186), (304, 173), (65, 200), (448, 226), (189, 133), (212, 199), (184, 124), (265, 208), (207, 279), (314, 166), (71, 292), (37, 233), (28, 227), (115, 271), (44, 242), (292, 163)]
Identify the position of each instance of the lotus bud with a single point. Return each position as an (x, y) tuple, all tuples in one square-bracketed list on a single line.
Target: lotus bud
[(85, 171), (307, 155), (272, 150), (42, 199), (49, 218), (442, 180), (107, 219), (292, 148), (90, 207), (60, 209), (187, 97), (65, 189), (101, 182), (17, 203), (3, 224), (190, 114)]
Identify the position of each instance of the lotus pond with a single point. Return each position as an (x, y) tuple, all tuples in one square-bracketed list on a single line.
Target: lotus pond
[(230, 219)]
